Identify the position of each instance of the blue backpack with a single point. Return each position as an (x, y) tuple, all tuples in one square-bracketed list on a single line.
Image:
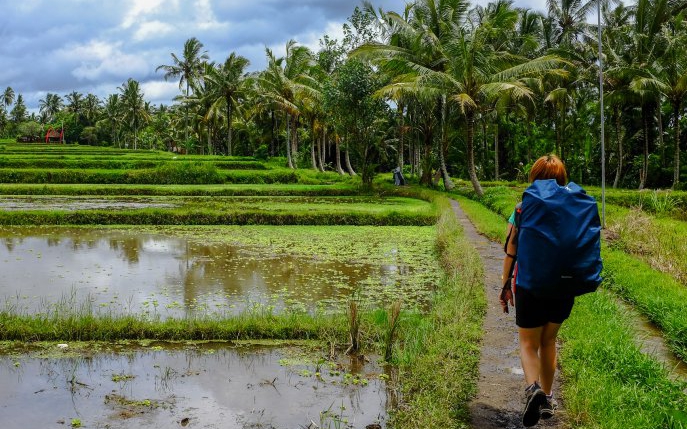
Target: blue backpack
[(559, 240)]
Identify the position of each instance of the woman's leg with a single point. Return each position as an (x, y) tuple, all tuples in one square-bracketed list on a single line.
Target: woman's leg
[(547, 356), (530, 343)]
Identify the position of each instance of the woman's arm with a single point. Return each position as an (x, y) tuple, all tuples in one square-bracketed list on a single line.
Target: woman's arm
[(506, 295)]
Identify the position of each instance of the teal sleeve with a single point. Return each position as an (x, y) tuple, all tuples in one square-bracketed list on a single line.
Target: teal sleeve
[(511, 219)]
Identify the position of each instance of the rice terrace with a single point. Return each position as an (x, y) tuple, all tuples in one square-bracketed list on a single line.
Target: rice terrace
[(319, 243)]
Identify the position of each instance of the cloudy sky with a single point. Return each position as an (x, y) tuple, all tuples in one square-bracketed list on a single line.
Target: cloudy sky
[(94, 46)]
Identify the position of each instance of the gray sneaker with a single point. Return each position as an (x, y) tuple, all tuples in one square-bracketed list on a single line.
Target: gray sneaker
[(536, 399), (549, 408)]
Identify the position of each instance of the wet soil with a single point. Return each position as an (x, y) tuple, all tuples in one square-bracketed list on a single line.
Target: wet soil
[(500, 388)]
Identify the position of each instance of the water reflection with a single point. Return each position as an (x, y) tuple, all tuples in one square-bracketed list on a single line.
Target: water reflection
[(209, 386), (162, 276)]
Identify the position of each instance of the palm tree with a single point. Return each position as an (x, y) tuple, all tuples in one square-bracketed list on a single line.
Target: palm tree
[(91, 108), (669, 77), (618, 75), (7, 97), (50, 106), (19, 112), (112, 116), (570, 17), (134, 113), (650, 15), (278, 87), (186, 69), (228, 84)]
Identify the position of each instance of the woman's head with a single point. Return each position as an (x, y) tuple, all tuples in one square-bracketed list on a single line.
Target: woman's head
[(549, 167)]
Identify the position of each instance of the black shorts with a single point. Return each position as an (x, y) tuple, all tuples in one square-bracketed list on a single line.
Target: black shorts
[(532, 311)]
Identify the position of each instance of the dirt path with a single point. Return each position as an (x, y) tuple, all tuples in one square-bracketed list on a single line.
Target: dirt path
[(500, 388)]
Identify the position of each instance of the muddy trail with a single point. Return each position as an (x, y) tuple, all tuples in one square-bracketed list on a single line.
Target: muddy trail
[(500, 388)]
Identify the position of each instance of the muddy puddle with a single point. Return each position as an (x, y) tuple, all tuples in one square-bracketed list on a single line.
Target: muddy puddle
[(158, 276), (203, 386)]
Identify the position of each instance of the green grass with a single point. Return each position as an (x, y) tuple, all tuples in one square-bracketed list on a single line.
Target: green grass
[(440, 355), (225, 210), (277, 189), (166, 174), (658, 296), (609, 382), (116, 163), (659, 241)]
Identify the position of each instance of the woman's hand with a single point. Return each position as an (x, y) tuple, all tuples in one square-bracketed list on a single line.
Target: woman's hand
[(506, 297)]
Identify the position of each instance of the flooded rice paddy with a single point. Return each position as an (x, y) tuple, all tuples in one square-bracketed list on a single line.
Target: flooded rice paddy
[(212, 385), (187, 271)]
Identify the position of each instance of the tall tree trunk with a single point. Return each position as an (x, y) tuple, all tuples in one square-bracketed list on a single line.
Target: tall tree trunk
[(186, 116), (350, 169), (337, 141), (272, 137), (659, 117), (322, 146), (645, 163), (483, 157), (401, 131), (496, 150), (229, 115), (470, 122), (621, 155), (559, 148), (294, 142), (443, 146), (426, 158), (313, 143), (209, 142), (288, 142), (676, 162)]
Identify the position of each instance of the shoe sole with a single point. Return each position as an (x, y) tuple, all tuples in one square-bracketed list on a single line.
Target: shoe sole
[(547, 414), (531, 415)]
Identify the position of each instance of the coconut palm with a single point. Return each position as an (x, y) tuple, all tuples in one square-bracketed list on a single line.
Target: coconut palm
[(669, 78), (112, 116), (19, 112), (647, 47), (134, 113), (570, 19), (278, 87), (50, 106), (91, 108), (187, 69), (7, 97), (416, 39), (228, 85)]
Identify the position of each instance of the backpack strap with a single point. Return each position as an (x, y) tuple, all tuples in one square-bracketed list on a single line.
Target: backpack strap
[(518, 213)]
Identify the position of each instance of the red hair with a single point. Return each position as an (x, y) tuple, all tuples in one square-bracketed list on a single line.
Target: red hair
[(549, 167)]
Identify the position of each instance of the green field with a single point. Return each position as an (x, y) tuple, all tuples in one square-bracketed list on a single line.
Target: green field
[(267, 211)]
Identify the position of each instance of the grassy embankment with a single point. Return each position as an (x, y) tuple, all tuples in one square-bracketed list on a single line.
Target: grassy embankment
[(434, 396), (609, 382)]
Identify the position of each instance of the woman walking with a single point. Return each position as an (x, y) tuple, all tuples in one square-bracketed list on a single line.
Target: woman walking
[(539, 315)]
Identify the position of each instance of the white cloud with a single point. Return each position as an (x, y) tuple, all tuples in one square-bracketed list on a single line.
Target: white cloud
[(152, 29), (312, 40), (158, 90), (98, 59), (205, 17), (143, 7)]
